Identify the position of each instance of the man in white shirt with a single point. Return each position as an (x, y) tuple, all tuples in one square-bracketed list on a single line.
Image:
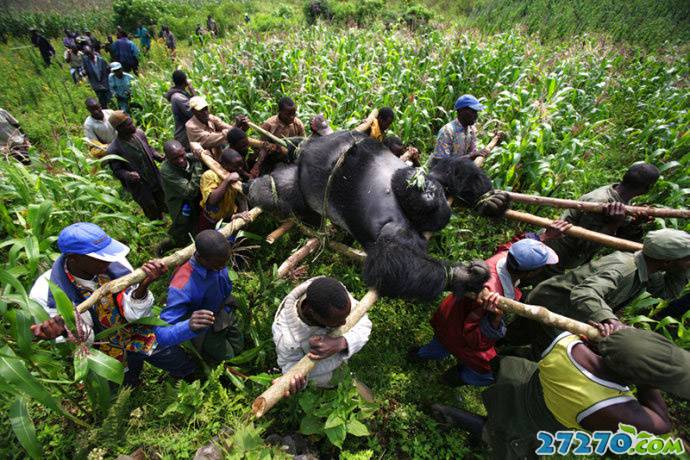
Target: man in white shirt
[(302, 324), (97, 128)]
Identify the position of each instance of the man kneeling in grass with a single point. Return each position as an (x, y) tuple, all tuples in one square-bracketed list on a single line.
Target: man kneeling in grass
[(302, 324), (200, 307)]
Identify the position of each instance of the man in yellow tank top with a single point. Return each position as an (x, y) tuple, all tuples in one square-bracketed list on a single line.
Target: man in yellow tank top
[(580, 385)]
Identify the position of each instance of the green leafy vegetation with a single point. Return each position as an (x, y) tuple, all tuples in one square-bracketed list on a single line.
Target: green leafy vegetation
[(577, 113), (647, 22)]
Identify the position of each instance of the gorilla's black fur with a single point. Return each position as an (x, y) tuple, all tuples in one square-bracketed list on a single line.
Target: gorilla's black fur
[(368, 193)]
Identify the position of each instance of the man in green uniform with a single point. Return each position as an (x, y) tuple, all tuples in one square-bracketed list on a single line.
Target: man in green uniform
[(595, 291), (180, 174), (573, 252)]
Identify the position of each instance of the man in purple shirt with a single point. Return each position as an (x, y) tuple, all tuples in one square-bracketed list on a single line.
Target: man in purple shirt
[(199, 306)]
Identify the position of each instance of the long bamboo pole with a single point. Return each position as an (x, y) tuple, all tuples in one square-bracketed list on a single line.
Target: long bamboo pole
[(297, 256), (279, 389), (257, 144), (578, 232), (280, 231), (545, 316), (269, 135), (589, 206), (174, 259), (366, 124), (497, 139)]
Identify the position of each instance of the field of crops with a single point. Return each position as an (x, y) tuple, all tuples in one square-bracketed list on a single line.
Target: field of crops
[(577, 113)]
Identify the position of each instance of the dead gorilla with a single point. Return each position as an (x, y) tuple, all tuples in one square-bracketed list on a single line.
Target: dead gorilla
[(369, 197)]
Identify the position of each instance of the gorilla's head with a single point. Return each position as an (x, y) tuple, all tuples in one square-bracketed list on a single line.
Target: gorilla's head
[(424, 205)]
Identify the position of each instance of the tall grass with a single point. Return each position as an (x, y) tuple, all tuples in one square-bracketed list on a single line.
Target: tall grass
[(650, 23)]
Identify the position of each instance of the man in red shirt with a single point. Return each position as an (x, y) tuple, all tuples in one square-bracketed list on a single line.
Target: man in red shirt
[(468, 329)]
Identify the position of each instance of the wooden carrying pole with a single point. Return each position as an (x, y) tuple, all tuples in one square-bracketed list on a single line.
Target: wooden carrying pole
[(545, 316), (297, 256), (280, 231), (269, 135), (278, 390), (578, 232), (366, 124), (173, 260), (259, 145), (497, 139), (589, 206), (340, 248)]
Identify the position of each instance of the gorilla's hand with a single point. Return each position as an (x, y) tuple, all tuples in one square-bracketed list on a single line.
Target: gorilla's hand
[(468, 278), (493, 204)]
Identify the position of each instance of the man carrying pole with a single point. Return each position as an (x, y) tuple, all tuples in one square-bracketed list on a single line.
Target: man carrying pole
[(302, 324), (573, 252), (597, 290), (579, 385), (90, 259)]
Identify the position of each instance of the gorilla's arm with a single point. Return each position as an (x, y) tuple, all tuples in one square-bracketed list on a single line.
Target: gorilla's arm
[(470, 184), (397, 265)]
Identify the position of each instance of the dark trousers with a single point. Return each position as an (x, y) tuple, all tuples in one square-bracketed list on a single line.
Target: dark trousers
[(150, 198), (174, 360), (46, 57), (104, 97)]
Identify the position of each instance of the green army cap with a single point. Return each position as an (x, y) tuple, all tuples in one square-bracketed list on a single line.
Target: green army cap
[(666, 244), (642, 357)]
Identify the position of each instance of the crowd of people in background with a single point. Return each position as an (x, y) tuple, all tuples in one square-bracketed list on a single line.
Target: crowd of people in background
[(560, 382)]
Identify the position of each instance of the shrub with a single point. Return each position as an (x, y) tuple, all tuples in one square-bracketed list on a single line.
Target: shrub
[(317, 9), (128, 13), (52, 24), (417, 15)]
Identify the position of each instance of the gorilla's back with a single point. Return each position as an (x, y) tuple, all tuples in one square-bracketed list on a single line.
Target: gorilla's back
[(360, 196)]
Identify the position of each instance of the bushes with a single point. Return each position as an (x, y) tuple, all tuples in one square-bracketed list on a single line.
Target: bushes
[(129, 13), (318, 9), (645, 22), (366, 12), (51, 24)]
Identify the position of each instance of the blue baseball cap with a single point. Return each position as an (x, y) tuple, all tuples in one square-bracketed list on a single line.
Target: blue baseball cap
[(90, 240), (532, 254), (467, 100)]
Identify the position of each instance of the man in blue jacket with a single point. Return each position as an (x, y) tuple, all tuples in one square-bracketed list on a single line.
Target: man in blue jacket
[(124, 51), (199, 306)]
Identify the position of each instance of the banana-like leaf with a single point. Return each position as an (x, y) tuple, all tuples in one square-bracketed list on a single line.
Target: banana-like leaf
[(24, 429), (14, 373), (22, 334), (64, 306), (81, 367), (106, 366)]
